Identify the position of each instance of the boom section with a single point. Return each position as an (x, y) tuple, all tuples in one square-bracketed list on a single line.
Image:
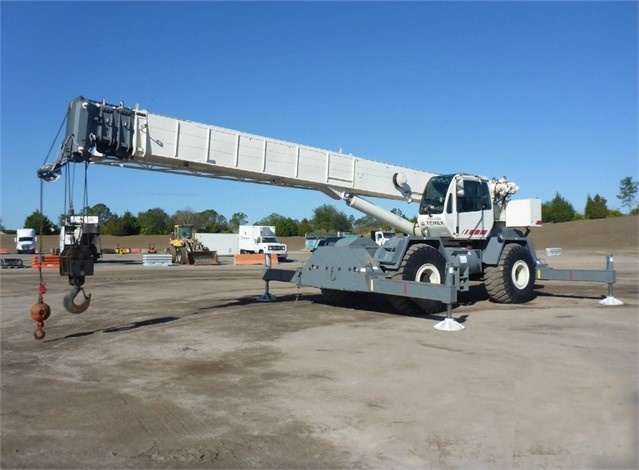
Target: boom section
[(116, 135)]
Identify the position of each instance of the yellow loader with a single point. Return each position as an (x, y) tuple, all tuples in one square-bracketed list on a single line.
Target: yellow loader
[(184, 248)]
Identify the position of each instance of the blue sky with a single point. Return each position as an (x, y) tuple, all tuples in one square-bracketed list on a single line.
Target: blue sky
[(544, 93)]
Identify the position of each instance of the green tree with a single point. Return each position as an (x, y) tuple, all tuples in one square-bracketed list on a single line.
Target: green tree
[(221, 225), (102, 211), (185, 216), (2, 229), (304, 227), (596, 208), (122, 226), (40, 223), (627, 192), (287, 227), (237, 219), (205, 219), (557, 210), (112, 226), (365, 223), (328, 219), (615, 213), (155, 222), (284, 226), (210, 221), (130, 224)]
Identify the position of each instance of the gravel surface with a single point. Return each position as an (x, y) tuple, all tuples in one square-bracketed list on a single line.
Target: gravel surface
[(182, 367)]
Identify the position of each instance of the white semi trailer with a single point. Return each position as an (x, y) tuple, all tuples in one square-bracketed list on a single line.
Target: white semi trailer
[(225, 244), (468, 226)]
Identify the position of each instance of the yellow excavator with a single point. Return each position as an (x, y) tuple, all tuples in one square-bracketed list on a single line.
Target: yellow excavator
[(184, 248)]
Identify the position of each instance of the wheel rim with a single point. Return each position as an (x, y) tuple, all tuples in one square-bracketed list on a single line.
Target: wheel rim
[(428, 273), (520, 274)]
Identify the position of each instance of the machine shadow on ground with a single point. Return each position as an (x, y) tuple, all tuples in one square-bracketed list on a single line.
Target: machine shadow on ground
[(366, 302), (116, 329)]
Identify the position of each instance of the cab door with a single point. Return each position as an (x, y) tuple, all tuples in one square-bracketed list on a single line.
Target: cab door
[(472, 207)]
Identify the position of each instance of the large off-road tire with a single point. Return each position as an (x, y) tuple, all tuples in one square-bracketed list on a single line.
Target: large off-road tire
[(181, 256), (421, 263), (171, 251), (512, 281), (341, 298), (334, 296)]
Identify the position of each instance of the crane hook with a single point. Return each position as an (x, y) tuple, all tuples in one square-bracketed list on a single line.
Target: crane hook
[(69, 303)]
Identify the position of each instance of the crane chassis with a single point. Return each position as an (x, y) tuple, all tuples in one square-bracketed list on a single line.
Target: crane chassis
[(468, 228)]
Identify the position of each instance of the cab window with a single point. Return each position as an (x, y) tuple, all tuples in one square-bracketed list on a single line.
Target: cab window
[(472, 196), (434, 195)]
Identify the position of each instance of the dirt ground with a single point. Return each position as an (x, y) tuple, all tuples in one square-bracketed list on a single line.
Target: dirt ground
[(182, 367)]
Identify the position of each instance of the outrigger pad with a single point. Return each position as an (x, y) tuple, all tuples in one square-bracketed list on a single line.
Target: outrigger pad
[(610, 300), (449, 324)]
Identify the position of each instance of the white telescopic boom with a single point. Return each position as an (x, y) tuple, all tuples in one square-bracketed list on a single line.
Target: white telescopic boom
[(117, 135), (129, 137)]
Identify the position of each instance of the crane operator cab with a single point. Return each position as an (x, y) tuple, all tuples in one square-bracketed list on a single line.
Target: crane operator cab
[(457, 206)]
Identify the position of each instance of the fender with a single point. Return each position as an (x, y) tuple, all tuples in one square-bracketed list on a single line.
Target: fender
[(391, 254), (496, 242)]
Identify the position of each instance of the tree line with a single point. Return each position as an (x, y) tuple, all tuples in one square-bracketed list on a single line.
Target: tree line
[(325, 218), (157, 222), (560, 210)]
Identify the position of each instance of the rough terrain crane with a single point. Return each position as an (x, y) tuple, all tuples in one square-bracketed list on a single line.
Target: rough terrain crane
[(468, 226)]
